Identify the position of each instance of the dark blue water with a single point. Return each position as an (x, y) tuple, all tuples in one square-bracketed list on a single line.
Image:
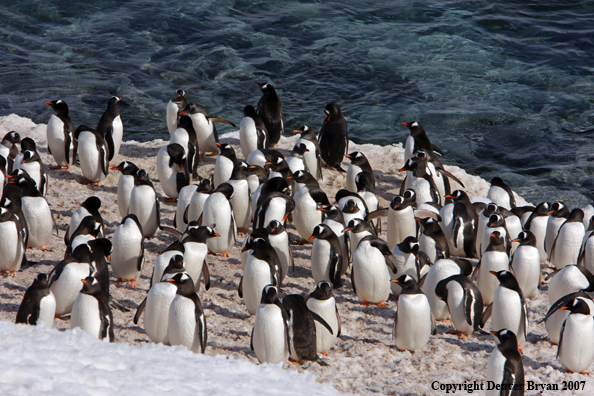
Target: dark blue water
[(493, 83)]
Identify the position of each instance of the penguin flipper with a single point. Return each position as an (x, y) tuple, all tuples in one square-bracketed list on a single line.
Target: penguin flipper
[(339, 325), (486, 315), (450, 176), (436, 149), (376, 213), (206, 275), (321, 362), (104, 161), (561, 338), (252, 340), (457, 225), (170, 230), (186, 215), (240, 290), (433, 324), (509, 379), (158, 205), (549, 276), (222, 121), (321, 321), (475, 272), (139, 310), (66, 239), (140, 261), (353, 280), (468, 304), (338, 167)]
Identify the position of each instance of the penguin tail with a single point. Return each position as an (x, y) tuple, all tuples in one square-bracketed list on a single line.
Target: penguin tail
[(338, 168)]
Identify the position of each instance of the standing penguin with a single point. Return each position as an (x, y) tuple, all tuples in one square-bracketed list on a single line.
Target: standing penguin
[(186, 324), (9, 148), (556, 316), (322, 302), (195, 252), (224, 164), (440, 270), (359, 163), (90, 207), (60, 136), (500, 194), (196, 205), (495, 258), (464, 302), (252, 131), (127, 257), (206, 132), (312, 158), (460, 232), (569, 279), (567, 245), (240, 201), (144, 204), (405, 262), (327, 263), (537, 224), (279, 240), (218, 210), (91, 311), (110, 127), (32, 164), (576, 343), (93, 155), (557, 216), (39, 303), (334, 137), (12, 249), (172, 169), (432, 240), (525, 263), (401, 218), (369, 275), (504, 368), (175, 106), (185, 136), (414, 322), (125, 185), (270, 335), (270, 109), (65, 278)]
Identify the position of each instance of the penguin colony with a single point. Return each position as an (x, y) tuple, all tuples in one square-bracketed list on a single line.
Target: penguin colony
[(472, 259)]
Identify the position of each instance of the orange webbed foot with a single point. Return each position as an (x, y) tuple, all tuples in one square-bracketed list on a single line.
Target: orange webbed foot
[(383, 304), (225, 254), (324, 353), (45, 249), (365, 303)]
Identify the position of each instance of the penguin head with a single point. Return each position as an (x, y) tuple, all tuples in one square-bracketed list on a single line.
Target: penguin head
[(269, 295), (41, 281), (59, 107), (364, 182), (409, 245), (227, 151), (90, 286), (181, 279), (356, 157), (131, 218), (577, 306), (457, 195), (414, 127), (559, 209), (350, 207), (249, 111), (356, 225), (113, 101), (317, 231), (180, 93), (267, 89), (496, 220), (506, 336), (542, 209), (405, 281), (176, 153), (526, 238), (101, 245), (226, 189), (81, 253), (205, 185), (127, 168), (396, 201), (275, 227), (409, 165), (332, 110), (576, 216), (333, 213), (11, 138), (490, 209), (325, 289), (28, 144), (421, 155), (410, 195), (305, 130)]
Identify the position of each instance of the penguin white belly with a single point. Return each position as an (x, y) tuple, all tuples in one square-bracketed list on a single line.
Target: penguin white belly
[(127, 243), (295, 164), (499, 196), (255, 278), (89, 157), (47, 309), (401, 224), (513, 224), (11, 248), (371, 275), (526, 266), (223, 170), (487, 282), (495, 370), (204, 133), (217, 210), (554, 323), (352, 172), (248, 136), (269, 337), (276, 210), (577, 344), (172, 110), (507, 313), (196, 206), (327, 310), (372, 205), (409, 148), (482, 223), (337, 228), (567, 245), (438, 180), (589, 255), (553, 225), (33, 169), (143, 203), (457, 308), (412, 328), (254, 200), (167, 174), (183, 201), (320, 260), (405, 265), (240, 202), (256, 157), (538, 226), (306, 215), (161, 263), (125, 186), (39, 219), (56, 140), (487, 236), (86, 315), (427, 245), (68, 285), (117, 135), (156, 311), (309, 157), (194, 255), (355, 238), (79, 240), (570, 279), (181, 137), (181, 325), (280, 243)]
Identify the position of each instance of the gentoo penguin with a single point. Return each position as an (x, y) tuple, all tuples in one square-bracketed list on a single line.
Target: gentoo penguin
[(206, 132), (504, 368), (417, 140), (185, 136), (494, 259), (240, 201), (413, 322), (508, 309), (66, 276), (248, 245), (261, 157), (322, 302), (252, 131), (306, 214), (37, 212), (405, 262), (525, 264), (9, 148), (181, 209), (195, 252), (144, 204), (359, 163), (60, 135), (356, 230), (537, 224), (93, 154), (439, 271), (279, 240), (274, 184), (556, 316), (90, 207), (91, 311), (312, 158), (513, 226), (262, 268), (295, 160), (127, 257), (280, 168), (567, 245), (352, 205), (158, 301), (432, 240), (482, 220), (125, 185), (557, 216), (334, 137), (110, 127), (401, 218), (464, 302), (586, 257), (186, 324), (273, 206), (302, 329), (26, 144), (270, 109), (101, 249), (327, 262), (569, 279), (172, 169), (500, 194), (369, 275), (12, 249), (39, 304), (32, 164), (175, 106), (196, 206), (421, 179), (365, 188), (270, 335), (576, 341), (496, 223), (224, 164), (460, 227), (335, 220), (217, 210)]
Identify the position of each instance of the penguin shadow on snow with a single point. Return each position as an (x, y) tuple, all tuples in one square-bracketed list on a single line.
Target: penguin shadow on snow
[(294, 286), (473, 344), (225, 311), (99, 188), (345, 337), (135, 151), (61, 175), (382, 312), (8, 307)]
